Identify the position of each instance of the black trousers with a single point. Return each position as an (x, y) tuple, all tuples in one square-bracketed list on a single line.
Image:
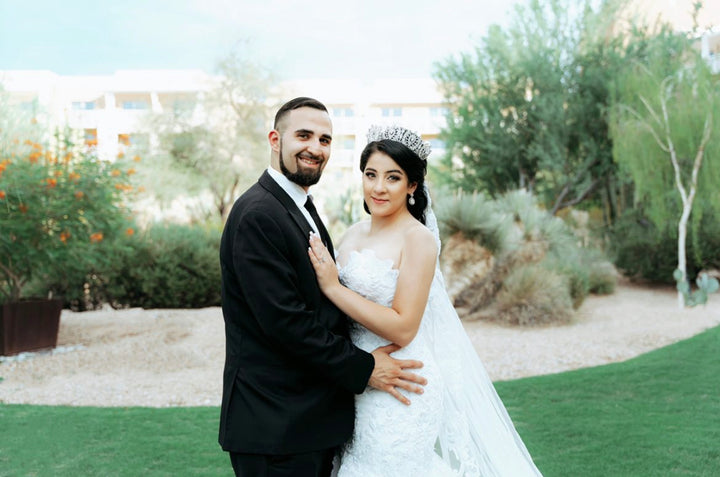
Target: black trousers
[(311, 464)]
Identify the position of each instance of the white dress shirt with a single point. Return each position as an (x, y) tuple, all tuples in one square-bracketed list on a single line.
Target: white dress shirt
[(296, 193)]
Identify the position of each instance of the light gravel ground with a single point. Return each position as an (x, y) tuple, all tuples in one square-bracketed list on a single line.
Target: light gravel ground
[(163, 358)]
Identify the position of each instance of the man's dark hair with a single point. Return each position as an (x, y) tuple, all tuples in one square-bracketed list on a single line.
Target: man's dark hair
[(301, 102)]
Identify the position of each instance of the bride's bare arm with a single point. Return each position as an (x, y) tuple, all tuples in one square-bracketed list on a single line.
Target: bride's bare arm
[(399, 323)]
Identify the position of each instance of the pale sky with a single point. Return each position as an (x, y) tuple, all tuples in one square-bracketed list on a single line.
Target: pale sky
[(298, 39)]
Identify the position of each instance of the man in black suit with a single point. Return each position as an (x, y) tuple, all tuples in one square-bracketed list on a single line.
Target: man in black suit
[(290, 368)]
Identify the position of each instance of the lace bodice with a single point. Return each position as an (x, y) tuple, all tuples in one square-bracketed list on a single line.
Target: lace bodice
[(458, 426), (383, 423)]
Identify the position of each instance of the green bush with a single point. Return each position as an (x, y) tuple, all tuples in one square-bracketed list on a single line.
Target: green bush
[(644, 250), (166, 266), (177, 266)]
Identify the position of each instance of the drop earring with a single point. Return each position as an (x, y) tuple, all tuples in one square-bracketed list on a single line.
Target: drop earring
[(411, 200)]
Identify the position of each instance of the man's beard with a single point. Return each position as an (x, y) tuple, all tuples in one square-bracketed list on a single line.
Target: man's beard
[(303, 179)]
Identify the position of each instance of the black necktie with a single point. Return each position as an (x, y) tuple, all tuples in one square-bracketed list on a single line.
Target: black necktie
[(319, 224)]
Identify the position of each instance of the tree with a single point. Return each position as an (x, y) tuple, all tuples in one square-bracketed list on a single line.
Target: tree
[(666, 134), (528, 105), (218, 146)]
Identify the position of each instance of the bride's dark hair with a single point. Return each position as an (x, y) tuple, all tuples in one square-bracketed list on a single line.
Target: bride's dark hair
[(411, 164)]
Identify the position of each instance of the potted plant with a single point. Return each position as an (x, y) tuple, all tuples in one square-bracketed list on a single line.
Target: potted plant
[(58, 203)]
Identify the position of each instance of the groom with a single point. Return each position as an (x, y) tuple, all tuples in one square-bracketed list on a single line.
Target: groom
[(290, 368)]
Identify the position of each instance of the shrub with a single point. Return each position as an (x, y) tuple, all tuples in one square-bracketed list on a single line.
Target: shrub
[(177, 266), (58, 204), (166, 266), (475, 217), (532, 295)]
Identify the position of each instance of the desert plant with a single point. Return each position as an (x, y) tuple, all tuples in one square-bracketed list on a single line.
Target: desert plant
[(532, 295), (476, 217), (58, 203)]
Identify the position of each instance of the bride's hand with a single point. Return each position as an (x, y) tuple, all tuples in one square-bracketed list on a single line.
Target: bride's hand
[(325, 269)]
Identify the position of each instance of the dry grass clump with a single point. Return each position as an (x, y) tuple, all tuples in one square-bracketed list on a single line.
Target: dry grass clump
[(533, 271), (531, 295)]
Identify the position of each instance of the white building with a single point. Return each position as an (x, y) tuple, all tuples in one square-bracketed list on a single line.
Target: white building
[(111, 109)]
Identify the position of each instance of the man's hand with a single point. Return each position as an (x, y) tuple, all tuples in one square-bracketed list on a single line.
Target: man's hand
[(389, 373)]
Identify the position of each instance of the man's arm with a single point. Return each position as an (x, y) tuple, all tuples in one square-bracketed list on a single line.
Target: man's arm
[(263, 263)]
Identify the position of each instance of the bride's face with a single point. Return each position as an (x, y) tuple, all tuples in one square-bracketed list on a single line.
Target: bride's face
[(385, 185)]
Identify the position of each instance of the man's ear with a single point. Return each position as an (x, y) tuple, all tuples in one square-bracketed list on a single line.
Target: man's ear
[(274, 140)]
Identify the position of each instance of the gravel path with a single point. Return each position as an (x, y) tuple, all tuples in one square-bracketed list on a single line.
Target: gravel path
[(165, 358)]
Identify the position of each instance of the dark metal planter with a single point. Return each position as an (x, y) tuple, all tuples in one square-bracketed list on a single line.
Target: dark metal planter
[(29, 325)]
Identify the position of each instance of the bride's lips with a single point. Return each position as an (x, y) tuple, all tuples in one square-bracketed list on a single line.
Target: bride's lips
[(379, 201)]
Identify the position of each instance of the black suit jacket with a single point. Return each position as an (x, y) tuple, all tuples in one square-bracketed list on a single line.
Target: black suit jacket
[(290, 369)]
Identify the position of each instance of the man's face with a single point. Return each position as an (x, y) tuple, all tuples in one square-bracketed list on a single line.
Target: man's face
[(302, 145)]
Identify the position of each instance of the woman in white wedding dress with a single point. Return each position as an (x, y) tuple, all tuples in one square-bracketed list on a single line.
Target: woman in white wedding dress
[(388, 281)]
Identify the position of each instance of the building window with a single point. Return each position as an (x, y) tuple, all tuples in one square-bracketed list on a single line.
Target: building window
[(343, 112), (348, 143), (83, 105), (436, 112), (437, 144), (391, 112), (91, 137), (134, 105)]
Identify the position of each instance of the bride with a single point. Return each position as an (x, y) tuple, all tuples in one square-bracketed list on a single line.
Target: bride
[(388, 281)]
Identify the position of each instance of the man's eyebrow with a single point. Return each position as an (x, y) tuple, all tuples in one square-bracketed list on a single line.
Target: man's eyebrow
[(310, 132)]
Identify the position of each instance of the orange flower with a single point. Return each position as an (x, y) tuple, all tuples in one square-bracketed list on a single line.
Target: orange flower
[(37, 146), (28, 142), (64, 236), (91, 142), (116, 172), (33, 121), (51, 182), (50, 157), (131, 171), (120, 155), (73, 176), (67, 157), (141, 189), (124, 187), (130, 231), (58, 173), (34, 156), (2, 194), (96, 237), (124, 139), (137, 159), (79, 194), (23, 208)]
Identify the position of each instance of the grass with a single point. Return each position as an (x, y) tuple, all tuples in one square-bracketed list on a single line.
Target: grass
[(655, 415)]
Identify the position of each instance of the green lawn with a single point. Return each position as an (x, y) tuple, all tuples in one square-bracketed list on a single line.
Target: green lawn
[(656, 415)]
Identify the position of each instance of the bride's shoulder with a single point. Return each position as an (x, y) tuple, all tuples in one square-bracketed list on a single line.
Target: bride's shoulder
[(419, 237), (356, 231)]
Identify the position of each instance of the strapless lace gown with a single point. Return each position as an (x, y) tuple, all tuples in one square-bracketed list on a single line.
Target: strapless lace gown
[(458, 426), (392, 439)]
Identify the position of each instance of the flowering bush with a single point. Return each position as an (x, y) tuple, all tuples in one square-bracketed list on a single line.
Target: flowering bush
[(58, 203)]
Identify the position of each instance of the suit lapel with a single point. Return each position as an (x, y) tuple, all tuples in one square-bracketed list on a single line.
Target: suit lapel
[(274, 188), (269, 183)]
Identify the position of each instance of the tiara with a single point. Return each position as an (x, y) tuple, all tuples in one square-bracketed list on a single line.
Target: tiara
[(408, 138)]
